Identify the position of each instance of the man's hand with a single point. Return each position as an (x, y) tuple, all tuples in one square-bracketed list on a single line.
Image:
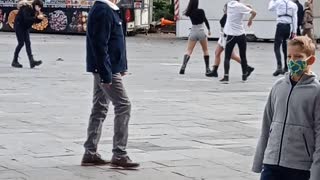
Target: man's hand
[(106, 85), (124, 73), (250, 23), (209, 33), (293, 35)]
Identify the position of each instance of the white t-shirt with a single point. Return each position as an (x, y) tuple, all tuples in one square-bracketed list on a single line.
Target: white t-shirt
[(235, 14)]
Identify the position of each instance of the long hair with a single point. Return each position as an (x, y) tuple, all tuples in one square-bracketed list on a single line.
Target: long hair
[(193, 5)]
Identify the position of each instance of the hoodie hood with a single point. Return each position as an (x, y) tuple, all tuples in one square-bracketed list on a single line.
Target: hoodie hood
[(112, 5), (305, 79)]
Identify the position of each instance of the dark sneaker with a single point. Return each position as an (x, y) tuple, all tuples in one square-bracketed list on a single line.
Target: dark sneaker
[(225, 80), (35, 63), (213, 73), (278, 72), (249, 71), (16, 64), (93, 160), (244, 77), (123, 162)]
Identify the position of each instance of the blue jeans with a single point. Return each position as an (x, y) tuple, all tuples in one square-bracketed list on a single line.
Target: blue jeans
[(271, 172)]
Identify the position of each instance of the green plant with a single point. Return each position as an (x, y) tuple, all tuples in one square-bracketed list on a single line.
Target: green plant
[(163, 9)]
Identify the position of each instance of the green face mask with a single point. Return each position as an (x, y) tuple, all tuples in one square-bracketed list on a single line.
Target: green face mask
[(297, 68)]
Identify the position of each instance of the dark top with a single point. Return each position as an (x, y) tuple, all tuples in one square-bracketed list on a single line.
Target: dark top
[(223, 20), (26, 17), (293, 83), (106, 49), (300, 13), (198, 17)]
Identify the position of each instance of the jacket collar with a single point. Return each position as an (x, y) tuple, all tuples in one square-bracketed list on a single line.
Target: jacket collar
[(305, 79), (112, 5)]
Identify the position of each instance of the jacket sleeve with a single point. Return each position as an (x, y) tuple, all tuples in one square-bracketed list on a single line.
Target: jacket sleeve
[(315, 168), (206, 20), (295, 19), (101, 37), (263, 141)]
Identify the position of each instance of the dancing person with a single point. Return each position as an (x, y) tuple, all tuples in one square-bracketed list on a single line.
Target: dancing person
[(221, 46), (235, 34), (198, 19)]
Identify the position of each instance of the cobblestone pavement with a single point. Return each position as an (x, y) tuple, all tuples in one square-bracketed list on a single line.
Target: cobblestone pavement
[(183, 127)]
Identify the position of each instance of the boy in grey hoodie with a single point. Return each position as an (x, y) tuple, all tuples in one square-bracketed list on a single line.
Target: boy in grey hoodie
[(289, 146)]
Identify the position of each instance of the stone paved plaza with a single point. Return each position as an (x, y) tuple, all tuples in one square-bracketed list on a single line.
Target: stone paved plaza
[(183, 127)]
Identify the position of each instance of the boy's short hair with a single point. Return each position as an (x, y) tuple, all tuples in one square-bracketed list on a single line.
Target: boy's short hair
[(305, 43)]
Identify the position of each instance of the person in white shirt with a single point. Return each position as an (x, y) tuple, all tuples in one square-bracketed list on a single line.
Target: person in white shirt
[(235, 32), (287, 24)]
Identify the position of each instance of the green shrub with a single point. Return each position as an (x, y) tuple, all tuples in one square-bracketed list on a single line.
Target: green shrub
[(163, 10)]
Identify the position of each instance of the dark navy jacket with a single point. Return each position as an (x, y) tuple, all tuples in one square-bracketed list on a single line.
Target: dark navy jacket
[(106, 49)]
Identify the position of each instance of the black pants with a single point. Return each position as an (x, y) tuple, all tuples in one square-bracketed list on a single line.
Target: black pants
[(281, 173), (242, 44), (282, 35), (23, 37)]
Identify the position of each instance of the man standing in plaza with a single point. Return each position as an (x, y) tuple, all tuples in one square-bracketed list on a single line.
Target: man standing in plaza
[(287, 25), (106, 60)]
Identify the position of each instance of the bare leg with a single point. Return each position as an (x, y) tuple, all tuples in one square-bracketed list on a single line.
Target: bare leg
[(236, 57), (191, 45)]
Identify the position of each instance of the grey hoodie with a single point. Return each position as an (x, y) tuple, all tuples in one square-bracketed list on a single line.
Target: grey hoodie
[(291, 127)]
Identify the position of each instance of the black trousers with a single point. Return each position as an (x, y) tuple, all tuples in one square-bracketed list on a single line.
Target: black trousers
[(230, 44), (23, 37), (282, 35), (271, 172)]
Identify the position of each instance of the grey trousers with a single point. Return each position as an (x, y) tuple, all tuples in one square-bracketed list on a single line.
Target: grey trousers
[(122, 108)]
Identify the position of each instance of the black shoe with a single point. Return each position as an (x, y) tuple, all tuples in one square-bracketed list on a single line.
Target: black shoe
[(213, 73), (93, 160), (225, 80), (16, 64), (245, 77), (278, 72), (249, 71), (208, 71), (35, 63), (123, 162)]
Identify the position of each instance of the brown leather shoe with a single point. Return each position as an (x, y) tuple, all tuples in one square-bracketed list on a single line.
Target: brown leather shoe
[(123, 162), (93, 160)]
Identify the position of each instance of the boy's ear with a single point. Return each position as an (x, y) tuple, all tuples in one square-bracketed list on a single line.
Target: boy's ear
[(311, 60)]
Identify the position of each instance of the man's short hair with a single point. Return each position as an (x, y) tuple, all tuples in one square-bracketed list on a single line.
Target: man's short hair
[(305, 43)]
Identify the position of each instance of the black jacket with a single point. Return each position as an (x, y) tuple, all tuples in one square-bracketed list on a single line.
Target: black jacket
[(26, 17), (300, 13), (106, 50)]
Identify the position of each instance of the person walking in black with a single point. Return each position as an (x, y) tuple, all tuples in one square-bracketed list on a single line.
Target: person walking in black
[(28, 14), (221, 46), (300, 16), (198, 19), (287, 25), (235, 34)]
